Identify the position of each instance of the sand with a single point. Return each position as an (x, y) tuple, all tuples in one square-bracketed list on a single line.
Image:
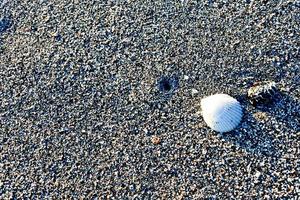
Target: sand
[(101, 99)]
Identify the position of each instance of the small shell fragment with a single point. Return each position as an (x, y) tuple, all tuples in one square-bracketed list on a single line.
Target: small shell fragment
[(221, 112), (262, 92)]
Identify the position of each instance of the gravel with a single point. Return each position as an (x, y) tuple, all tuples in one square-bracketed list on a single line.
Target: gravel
[(101, 99)]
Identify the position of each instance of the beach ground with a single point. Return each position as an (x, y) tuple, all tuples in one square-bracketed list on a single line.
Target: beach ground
[(101, 99)]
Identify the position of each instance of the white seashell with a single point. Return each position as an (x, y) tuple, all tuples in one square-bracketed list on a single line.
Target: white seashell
[(221, 112)]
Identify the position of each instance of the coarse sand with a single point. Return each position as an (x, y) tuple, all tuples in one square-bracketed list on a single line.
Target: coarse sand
[(101, 99)]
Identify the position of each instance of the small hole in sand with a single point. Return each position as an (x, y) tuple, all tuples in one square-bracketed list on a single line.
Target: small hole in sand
[(167, 84)]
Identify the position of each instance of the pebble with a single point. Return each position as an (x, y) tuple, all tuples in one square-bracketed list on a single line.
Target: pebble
[(260, 116), (155, 140)]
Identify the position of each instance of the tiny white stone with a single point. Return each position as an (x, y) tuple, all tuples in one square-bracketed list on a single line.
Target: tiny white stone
[(257, 174), (194, 91), (185, 77)]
